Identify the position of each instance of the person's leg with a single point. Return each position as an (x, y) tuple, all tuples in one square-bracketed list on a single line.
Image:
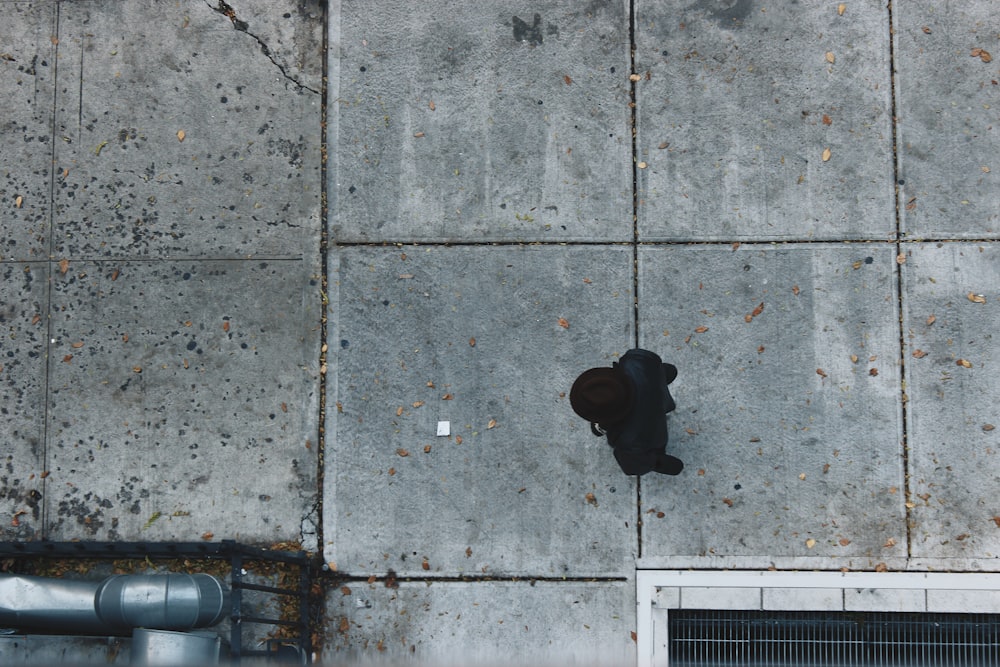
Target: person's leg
[(668, 465)]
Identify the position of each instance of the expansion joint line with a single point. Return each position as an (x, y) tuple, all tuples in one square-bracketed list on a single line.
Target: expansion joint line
[(633, 118), (900, 296), (324, 251)]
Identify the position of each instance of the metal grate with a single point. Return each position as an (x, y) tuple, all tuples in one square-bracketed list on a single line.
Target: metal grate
[(709, 638)]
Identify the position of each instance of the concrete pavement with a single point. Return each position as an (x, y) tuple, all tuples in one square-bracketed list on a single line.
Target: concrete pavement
[(804, 222)]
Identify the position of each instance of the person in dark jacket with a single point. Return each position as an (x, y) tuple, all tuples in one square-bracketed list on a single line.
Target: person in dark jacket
[(628, 403)]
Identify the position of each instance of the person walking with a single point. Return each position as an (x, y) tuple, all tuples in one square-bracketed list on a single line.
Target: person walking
[(629, 403)]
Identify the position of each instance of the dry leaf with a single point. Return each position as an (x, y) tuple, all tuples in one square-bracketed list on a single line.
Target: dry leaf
[(758, 310), (728, 502), (137, 369), (77, 344), (207, 536), (827, 120), (660, 515), (931, 320), (988, 427), (854, 358), (427, 449), (795, 290), (830, 58), (284, 407), (68, 358), (180, 135), (634, 637), (634, 77), (802, 476), (701, 329), (18, 201), (591, 499), (881, 567), (492, 424), (810, 543), (844, 541), (564, 323), (919, 354), (418, 135), (964, 363), (820, 372), (63, 266), (701, 472), (225, 326), (447, 397), (982, 54), (642, 165), (425, 565), (976, 298), (926, 30), (458, 440), (468, 552), (417, 404), (826, 154), (567, 79), (901, 258), (45, 473), (344, 590), (36, 319), (873, 372), (996, 520), (399, 411), (472, 342), (841, 8), (889, 543), (402, 452)]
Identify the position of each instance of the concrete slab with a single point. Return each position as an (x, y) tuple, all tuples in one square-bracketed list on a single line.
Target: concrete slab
[(491, 622), (23, 324), (27, 89), (949, 125), (788, 404), (951, 313), (489, 339), (182, 401), (458, 122), (737, 108), (184, 141)]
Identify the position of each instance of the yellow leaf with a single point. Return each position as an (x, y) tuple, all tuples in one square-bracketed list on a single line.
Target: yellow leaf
[(830, 58), (180, 135), (810, 543), (492, 424), (826, 154), (18, 201), (841, 8)]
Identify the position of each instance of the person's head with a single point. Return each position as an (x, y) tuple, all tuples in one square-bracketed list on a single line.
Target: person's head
[(602, 395)]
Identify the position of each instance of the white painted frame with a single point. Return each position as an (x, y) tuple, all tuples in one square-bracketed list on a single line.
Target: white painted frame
[(648, 582)]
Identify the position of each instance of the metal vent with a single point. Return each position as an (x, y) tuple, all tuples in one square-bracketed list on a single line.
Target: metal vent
[(813, 639)]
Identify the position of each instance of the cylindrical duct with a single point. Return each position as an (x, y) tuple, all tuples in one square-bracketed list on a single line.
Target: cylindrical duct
[(113, 606), (171, 649)]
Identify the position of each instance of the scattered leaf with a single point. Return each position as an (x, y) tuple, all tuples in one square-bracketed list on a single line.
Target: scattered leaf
[(225, 326), (982, 54), (100, 147), (472, 342), (45, 473), (827, 120), (964, 363), (873, 372), (826, 154), (634, 77), (830, 58), (642, 165), (431, 105), (931, 320), (996, 520), (207, 536), (891, 542), (701, 329), (881, 567), (591, 499), (660, 515), (18, 201), (402, 452), (418, 135), (820, 372), (701, 472), (926, 30), (988, 427), (854, 358), (36, 319), (564, 323), (567, 80), (844, 541), (458, 440), (901, 259), (137, 369), (417, 404), (68, 358), (63, 266), (810, 543), (180, 135), (425, 565), (633, 636), (961, 537), (826, 468), (468, 552), (344, 590), (919, 354), (447, 397), (728, 502), (795, 290), (491, 424), (77, 345), (841, 8), (976, 298), (427, 449)]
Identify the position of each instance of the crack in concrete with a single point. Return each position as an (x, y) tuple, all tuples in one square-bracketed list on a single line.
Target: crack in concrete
[(226, 10)]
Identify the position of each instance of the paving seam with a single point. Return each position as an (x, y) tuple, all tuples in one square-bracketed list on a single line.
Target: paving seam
[(633, 120), (51, 265), (900, 292)]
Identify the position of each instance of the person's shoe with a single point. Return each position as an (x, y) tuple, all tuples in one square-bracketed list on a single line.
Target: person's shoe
[(668, 465)]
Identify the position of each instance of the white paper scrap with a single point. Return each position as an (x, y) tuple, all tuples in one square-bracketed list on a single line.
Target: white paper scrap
[(444, 428)]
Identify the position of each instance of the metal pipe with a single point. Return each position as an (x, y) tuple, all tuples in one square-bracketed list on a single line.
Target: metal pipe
[(114, 605)]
